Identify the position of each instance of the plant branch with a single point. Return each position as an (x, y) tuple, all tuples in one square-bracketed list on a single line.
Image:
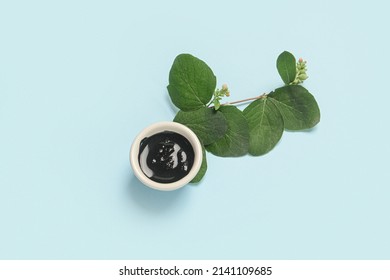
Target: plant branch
[(211, 102), (244, 100)]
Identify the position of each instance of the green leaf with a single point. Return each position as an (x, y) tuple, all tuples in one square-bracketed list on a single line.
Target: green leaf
[(203, 168), (265, 126), (297, 106), (191, 82), (217, 104), (286, 66), (235, 142), (209, 125)]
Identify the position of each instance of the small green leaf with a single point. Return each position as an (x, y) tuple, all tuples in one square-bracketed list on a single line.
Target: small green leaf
[(191, 83), (235, 142), (209, 125), (286, 66), (203, 168), (217, 104), (265, 126), (297, 106)]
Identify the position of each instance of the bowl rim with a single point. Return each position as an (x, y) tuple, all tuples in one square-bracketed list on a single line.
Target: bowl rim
[(161, 127)]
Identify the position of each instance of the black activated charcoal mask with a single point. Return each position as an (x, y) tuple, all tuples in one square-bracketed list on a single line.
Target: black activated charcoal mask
[(166, 157)]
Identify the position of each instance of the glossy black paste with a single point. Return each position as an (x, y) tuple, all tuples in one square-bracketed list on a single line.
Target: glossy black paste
[(166, 157)]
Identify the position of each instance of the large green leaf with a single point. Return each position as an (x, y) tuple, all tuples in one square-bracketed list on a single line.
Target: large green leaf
[(265, 126), (235, 142), (209, 125), (297, 106), (203, 168), (286, 66), (191, 82)]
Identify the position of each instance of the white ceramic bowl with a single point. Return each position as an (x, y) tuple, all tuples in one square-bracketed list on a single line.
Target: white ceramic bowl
[(161, 127)]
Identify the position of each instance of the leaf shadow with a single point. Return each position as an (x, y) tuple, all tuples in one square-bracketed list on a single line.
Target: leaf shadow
[(152, 200), (309, 130)]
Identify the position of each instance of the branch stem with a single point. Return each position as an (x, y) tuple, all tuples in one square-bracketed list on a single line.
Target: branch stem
[(244, 100)]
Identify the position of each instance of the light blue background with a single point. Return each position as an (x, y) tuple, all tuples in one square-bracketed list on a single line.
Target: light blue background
[(80, 79)]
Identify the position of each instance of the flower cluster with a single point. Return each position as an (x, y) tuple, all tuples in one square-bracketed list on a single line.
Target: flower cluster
[(301, 72), (218, 94)]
